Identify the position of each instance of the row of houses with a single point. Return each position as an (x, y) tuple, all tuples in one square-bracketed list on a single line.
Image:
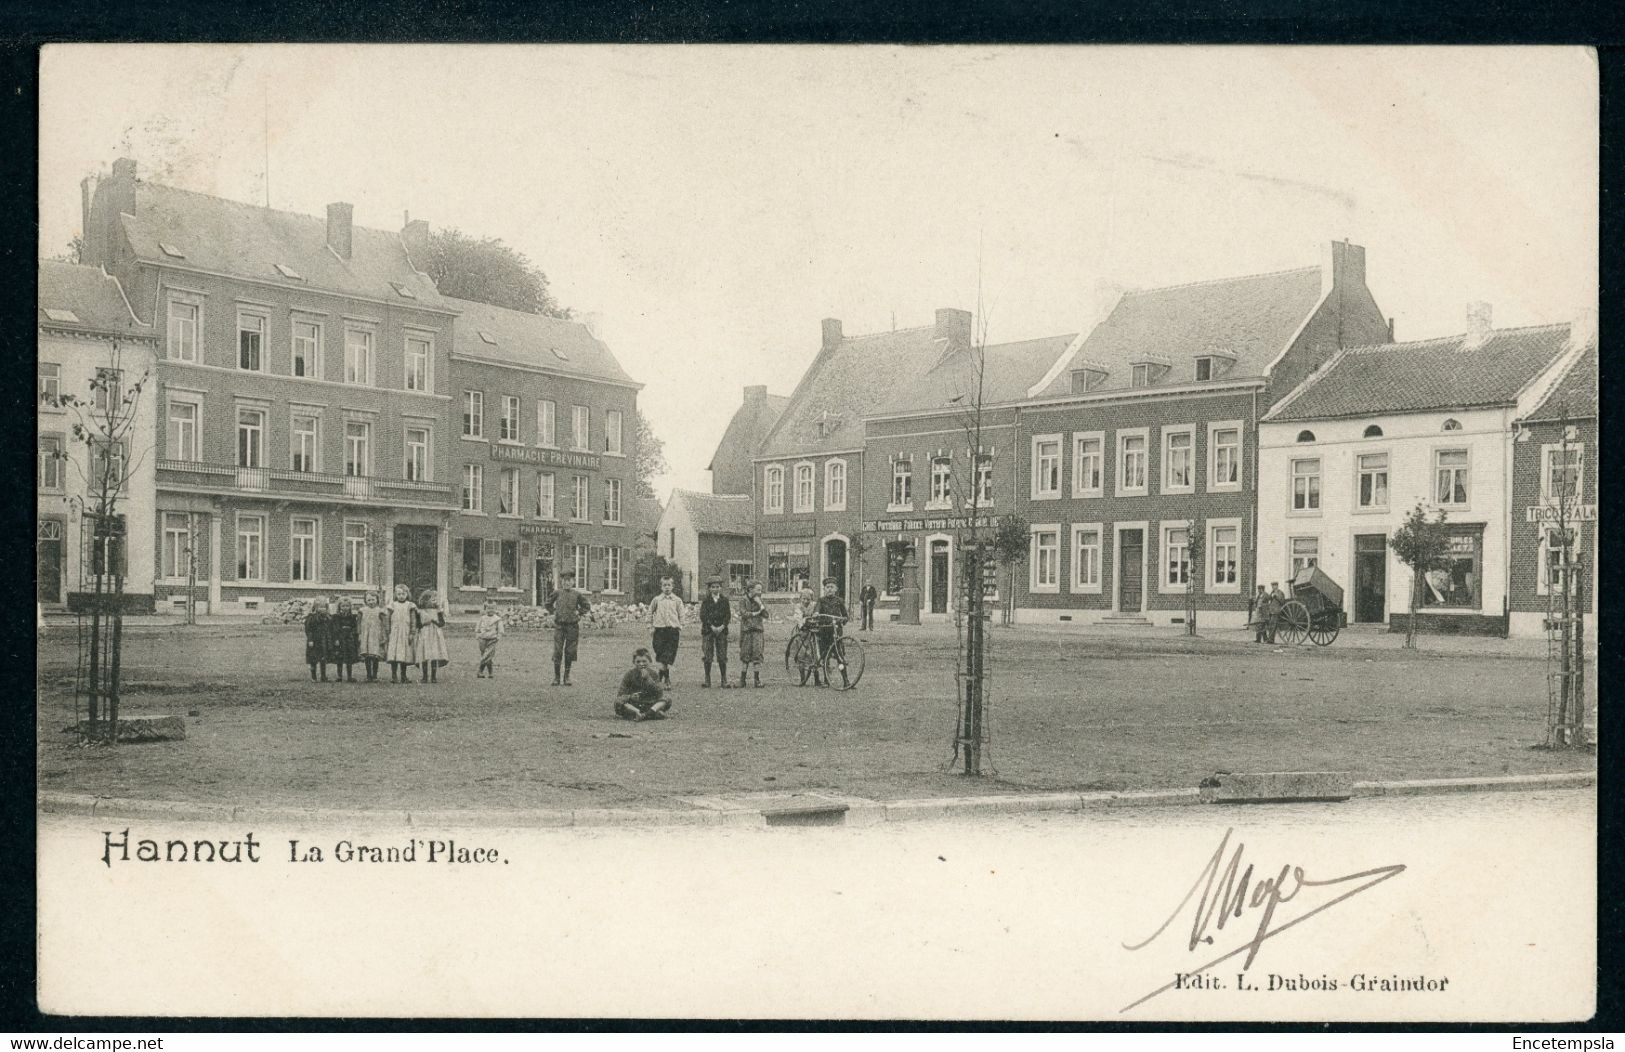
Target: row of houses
[(1273, 414), (318, 418)]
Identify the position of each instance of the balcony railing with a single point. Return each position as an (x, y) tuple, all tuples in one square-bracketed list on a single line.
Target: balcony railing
[(284, 482)]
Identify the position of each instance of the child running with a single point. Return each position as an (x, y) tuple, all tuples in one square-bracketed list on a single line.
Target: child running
[(642, 695), (488, 633), (432, 651)]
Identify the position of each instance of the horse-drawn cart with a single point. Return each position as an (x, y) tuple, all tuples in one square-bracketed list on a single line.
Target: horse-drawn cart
[(1315, 609)]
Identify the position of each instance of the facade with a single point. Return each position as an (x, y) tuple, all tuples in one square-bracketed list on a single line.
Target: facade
[(1381, 429), (87, 329), (541, 459), (1147, 429), (708, 534), (730, 465), (302, 398)]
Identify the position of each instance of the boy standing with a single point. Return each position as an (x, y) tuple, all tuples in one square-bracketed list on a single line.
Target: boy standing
[(642, 697), (666, 617), (833, 609), (568, 606), (716, 614), (752, 632)]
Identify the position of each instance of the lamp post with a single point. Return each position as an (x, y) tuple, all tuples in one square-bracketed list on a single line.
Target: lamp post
[(908, 596)]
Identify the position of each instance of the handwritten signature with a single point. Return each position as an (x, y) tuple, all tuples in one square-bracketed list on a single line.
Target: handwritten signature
[(1224, 891)]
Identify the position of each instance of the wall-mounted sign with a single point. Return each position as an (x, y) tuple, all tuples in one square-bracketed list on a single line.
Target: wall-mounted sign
[(540, 529), (548, 457), (961, 522), (1549, 512)]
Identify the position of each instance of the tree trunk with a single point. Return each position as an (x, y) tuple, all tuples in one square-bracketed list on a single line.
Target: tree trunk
[(1410, 628)]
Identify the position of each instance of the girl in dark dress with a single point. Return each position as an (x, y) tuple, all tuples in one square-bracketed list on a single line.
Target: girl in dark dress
[(344, 636), (317, 638)]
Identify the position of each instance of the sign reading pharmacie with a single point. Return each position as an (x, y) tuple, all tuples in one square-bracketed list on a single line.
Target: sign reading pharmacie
[(1549, 513), (548, 457), (951, 522)]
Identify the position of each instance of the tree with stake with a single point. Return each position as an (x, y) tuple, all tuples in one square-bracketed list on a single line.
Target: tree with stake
[(1194, 549), (1421, 544), (1011, 540)]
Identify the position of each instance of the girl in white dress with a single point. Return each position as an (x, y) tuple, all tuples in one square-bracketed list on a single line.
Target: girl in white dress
[(432, 651), (401, 650)]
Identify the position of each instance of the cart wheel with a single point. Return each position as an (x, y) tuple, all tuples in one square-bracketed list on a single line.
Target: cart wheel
[(1323, 631), (1293, 622)]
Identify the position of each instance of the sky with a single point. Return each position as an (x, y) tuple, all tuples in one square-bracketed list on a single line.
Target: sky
[(714, 203)]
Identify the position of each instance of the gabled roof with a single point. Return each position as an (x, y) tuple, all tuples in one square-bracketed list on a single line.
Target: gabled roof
[(710, 513), (750, 425), (1445, 373), (177, 227), (1250, 318), (77, 298), (1574, 397), (1011, 368), (511, 337)]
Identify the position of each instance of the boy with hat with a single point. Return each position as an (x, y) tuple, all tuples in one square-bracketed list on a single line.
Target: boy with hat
[(715, 616), (833, 608), (752, 632), (568, 606)]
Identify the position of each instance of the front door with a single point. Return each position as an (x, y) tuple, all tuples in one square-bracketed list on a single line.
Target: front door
[(48, 560), (835, 565), (544, 576), (1370, 577), (416, 561), (939, 577), (1130, 571)]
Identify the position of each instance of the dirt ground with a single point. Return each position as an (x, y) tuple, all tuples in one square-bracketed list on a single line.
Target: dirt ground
[(1068, 713)]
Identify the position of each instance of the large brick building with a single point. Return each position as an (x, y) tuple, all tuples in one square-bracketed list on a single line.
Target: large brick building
[(730, 465)]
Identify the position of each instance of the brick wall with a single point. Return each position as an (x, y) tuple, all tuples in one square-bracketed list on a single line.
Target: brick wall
[(1525, 537)]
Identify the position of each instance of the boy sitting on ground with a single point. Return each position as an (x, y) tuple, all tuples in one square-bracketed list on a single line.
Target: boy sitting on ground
[(642, 695)]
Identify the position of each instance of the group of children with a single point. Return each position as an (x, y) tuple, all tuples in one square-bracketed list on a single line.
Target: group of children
[(404, 634)]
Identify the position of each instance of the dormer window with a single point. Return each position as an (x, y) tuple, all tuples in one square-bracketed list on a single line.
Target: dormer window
[(56, 314), (287, 271), (1212, 366), (1087, 379), (1147, 370), (828, 424)]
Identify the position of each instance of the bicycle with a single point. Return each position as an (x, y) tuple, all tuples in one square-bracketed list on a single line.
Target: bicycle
[(844, 658)]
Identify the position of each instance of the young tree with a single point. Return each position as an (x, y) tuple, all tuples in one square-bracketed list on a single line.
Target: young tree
[(1195, 550), (489, 271), (1011, 539), (648, 455), (1421, 544)]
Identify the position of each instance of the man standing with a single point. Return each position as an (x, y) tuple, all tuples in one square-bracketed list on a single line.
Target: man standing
[(666, 617), (715, 616), (1277, 600), (866, 600), (568, 606), (1256, 606)]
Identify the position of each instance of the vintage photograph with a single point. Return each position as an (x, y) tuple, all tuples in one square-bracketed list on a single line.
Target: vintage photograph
[(818, 532)]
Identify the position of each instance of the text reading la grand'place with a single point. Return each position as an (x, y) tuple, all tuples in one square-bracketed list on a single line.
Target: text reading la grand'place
[(121, 847)]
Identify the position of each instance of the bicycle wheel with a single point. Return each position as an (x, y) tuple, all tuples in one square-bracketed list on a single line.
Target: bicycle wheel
[(844, 662), (792, 652)]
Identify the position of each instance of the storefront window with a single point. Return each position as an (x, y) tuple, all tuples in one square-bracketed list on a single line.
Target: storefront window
[(789, 566), (896, 551), (1456, 582)]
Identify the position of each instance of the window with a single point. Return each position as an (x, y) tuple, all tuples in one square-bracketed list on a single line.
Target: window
[(1046, 559), (108, 388), (1457, 580), (175, 553), (544, 494), (896, 554), (303, 443), (739, 574), (612, 501), (773, 490), (1046, 466), (835, 485), (942, 482), (307, 345), (417, 364), (357, 448), (1563, 475), (1451, 424), (1450, 475), (1087, 379), (1204, 368), (357, 356), (1176, 557), (1131, 462), (612, 432), (580, 427), (1224, 456), (612, 569), (1306, 436), (417, 455), (357, 554), (508, 428), (302, 551), (902, 483), (984, 480), (1141, 376), (509, 561), (1373, 431), (1306, 484), (181, 437), (580, 563), (50, 383), (581, 506), (1303, 552), (1088, 463), (107, 464), (1086, 557), (183, 328), (546, 435), (1224, 557), (508, 491), (1373, 480), (804, 487), (52, 464), (250, 548), (473, 414), (473, 564), (250, 438), (789, 566), (473, 488), (1179, 460), (250, 342), (1554, 555)]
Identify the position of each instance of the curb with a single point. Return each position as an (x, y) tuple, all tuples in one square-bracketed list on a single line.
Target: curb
[(859, 812)]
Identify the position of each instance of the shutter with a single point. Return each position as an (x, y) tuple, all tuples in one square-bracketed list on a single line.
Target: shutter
[(456, 575), (491, 562)]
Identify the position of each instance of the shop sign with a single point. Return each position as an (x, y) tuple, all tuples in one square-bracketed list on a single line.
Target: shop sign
[(1548, 513), (961, 522), (547, 457), (538, 529)]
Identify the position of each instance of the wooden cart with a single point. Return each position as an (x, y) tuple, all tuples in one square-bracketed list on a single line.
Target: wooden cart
[(1315, 609)]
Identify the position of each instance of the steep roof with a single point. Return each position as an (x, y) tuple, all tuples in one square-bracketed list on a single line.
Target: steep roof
[(514, 337), (1574, 397), (249, 241), (750, 425), (77, 298), (1445, 373), (709, 513), (1249, 318), (1011, 368)]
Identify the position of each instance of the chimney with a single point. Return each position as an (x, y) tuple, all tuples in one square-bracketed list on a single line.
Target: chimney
[(1342, 263), (832, 333), (1391, 330), (339, 215), (1478, 324), (414, 237), (594, 321), (87, 249), (954, 325), (756, 395)]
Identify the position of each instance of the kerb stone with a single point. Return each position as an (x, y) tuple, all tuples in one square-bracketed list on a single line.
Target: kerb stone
[(1277, 787)]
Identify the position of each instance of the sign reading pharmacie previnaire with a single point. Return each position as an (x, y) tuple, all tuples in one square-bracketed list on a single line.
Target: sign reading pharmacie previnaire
[(951, 522), (1548, 513), (548, 457)]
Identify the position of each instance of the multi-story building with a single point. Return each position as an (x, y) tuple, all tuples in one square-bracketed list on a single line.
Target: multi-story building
[(1381, 429), (730, 465), (303, 398), (706, 535), (541, 458), (1145, 430), (88, 332)]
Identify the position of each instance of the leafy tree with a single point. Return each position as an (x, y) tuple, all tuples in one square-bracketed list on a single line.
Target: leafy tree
[(488, 270), (648, 455), (648, 571), (1010, 542), (1420, 543)]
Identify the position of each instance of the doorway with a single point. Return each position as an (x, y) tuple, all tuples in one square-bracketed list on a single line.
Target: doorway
[(939, 577), (48, 549), (1130, 571), (1370, 578), (542, 581), (835, 565), (417, 563)]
